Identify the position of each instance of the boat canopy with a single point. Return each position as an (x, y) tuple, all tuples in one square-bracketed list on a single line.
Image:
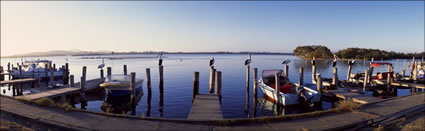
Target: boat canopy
[(378, 64), (271, 73)]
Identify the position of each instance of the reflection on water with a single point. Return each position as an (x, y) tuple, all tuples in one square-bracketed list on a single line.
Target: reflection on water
[(176, 99)]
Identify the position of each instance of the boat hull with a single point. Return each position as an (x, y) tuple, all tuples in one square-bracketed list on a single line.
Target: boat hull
[(25, 74)]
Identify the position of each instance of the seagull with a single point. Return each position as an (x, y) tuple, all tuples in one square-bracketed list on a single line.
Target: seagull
[(160, 59), (101, 65), (212, 61), (286, 62), (248, 61)]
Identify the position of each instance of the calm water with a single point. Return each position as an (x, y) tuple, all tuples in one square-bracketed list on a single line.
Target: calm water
[(178, 76)]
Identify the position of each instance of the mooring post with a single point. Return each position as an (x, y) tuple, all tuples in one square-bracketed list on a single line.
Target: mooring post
[(286, 71), (133, 92), (83, 93), (161, 81), (366, 72), (212, 77), (148, 84), (412, 68), (71, 80), (54, 66), (8, 70), (85, 72), (218, 84), (254, 72), (32, 76), (403, 71), (414, 76), (101, 74), (277, 91), (335, 76), (20, 71), (350, 63), (301, 76), (125, 69), (313, 69), (319, 82), (247, 82), (66, 73), (46, 76), (195, 89), (108, 71)]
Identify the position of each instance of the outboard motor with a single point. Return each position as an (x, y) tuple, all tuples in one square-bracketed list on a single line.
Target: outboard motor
[(302, 97)]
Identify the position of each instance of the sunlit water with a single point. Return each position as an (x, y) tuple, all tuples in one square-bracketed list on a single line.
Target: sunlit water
[(178, 76)]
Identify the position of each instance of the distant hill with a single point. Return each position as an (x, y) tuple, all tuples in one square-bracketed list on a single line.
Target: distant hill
[(93, 53)]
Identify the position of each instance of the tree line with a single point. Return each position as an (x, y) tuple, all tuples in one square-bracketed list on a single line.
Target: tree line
[(322, 52)]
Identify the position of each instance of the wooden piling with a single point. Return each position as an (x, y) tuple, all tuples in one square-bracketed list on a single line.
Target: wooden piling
[(46, 76), (8, 70), (212, 78), (247, 81), (277, 91), (335, 76), (365, 79), (255, 70), (1, 75), (414, 76), (403, 71), (84, 72), (101, 73), (286, 71), (83, 93), (313, 69), (52, 76), (54, 66), (350, 63), (109, 71), (133, 92), (161, 81), (301, 76), (66, 73), (71, 80), (195, 88), (148, 84), (412, 68), (218, 84), (125, 69), (319, 82)]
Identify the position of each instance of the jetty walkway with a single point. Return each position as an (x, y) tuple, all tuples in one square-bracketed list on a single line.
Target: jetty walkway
[(380, 112)]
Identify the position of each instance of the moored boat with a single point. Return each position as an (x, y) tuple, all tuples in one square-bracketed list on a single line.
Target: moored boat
[(119, 85), (290, 94), (36, 66)]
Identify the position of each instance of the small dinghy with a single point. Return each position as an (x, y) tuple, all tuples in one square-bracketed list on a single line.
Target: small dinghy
[(119, 85), (290, 94)]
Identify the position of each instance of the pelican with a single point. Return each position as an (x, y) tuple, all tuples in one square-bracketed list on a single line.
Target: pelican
[(248, 61), (212, 61), (101, 65), (334, 61), (286, 61), (160, 59)]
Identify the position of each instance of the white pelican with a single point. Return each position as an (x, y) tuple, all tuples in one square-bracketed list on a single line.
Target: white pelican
[(248, 61), (101, 65), (286, 61)]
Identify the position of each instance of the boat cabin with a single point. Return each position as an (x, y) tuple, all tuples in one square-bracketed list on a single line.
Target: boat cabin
[(268, 77)]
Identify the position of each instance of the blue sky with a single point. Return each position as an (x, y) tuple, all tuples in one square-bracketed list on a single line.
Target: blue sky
[(275, 26)]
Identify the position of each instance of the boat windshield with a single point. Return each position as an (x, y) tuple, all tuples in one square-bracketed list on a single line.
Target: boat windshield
[(121, 78), (268, 77)]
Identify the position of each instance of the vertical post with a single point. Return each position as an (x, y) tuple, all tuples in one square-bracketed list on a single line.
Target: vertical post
[(101, 74), (133, 92), (148, 84), (8, 70), (313, 69), (54, 66), (286, 71), (414, 76), (32, 76), (83, 93), (412, 68), (319, 83), (108, 71), (403, 72), (1, 76), (366, 72), (46, 76), (212, 76), (125, 69), (66, 73), (349, 70), (20, 71), (84, 72), (161, 90), (335, 76), (247, 82), (301, 76), (255, 82), (195, 89), (52, 71), (71, 80), (277, 91)]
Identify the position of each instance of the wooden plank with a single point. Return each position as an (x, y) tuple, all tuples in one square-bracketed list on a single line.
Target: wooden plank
[(18, 81), (356, 97), (406, 84), (206, 107)]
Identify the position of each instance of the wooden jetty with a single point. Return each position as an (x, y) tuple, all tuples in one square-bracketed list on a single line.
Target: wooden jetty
[(18, 81), (206, 107), (63, 91), (348, 95)]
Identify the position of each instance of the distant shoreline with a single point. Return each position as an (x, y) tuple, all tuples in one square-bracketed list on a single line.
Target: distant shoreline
[(147, 53)]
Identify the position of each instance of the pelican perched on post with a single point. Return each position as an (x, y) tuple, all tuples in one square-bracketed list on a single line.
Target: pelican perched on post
[(101, 65), (286, 61), (160, 59), (212, 61), (248, 61), (334, 61)]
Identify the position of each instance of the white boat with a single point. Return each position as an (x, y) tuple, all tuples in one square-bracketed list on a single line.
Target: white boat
[(119, 85), (36, 66), (290, 94)]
